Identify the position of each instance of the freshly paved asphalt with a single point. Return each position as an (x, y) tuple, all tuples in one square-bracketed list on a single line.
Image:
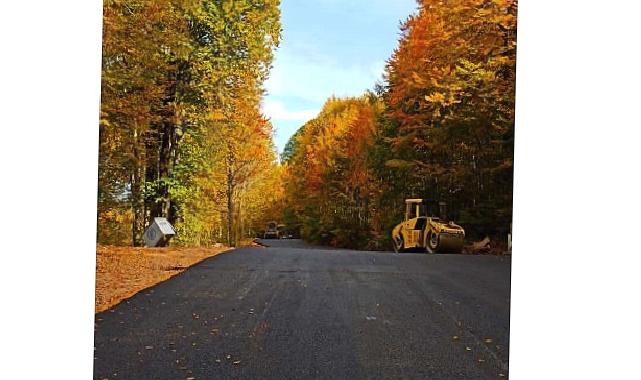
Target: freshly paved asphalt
[(292, 311)]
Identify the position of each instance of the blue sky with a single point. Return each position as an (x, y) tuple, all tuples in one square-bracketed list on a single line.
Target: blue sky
[(328, 47)]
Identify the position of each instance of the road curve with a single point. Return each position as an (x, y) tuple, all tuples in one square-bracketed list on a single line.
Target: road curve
[(292, 311)]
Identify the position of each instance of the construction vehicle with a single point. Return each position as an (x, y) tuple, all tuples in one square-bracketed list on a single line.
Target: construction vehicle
[(423, 230), (282, 231), (272, 231)]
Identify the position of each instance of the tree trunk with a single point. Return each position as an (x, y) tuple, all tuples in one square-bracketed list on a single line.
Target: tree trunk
[(168, 145), (137, 192), (230, 211), (230, 195), (239, 221)]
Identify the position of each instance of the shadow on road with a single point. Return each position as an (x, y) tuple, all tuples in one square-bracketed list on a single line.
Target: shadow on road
[(290, 243)]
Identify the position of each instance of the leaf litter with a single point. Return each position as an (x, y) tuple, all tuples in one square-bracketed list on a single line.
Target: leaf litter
[(122, 272)]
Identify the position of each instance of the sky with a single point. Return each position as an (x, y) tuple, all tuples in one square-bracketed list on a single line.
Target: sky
[(328, 47)]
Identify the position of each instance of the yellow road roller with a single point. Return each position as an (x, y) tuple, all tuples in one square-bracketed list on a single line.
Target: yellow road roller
[(423, 230)]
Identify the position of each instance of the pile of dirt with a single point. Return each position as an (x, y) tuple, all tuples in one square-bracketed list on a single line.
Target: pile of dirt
[(122, 272), (486, 246)]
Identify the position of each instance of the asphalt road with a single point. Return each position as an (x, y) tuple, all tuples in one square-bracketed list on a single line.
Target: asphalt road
[(291, 311)]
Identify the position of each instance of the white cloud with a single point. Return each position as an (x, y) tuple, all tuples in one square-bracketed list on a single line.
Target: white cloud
[(276, 110), (377, 69), (313, 79), (301, 81)]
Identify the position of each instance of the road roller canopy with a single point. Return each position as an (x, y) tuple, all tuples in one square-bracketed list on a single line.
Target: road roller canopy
[(418, 207), (272, 226)]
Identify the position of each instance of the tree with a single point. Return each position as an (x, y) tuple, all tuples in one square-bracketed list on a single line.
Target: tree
[(450, 105), (441, 126), (328, 174), (182, 82)]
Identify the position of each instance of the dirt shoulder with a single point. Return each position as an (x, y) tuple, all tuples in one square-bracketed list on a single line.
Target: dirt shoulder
[(122, 272)]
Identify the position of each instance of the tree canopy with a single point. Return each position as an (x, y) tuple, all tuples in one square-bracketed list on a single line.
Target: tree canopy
[(440, 126), (182, 135), (181, 132)]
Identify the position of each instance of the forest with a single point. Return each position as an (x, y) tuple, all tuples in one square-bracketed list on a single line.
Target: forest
[(181, 132), (440, 125), (182, 135)]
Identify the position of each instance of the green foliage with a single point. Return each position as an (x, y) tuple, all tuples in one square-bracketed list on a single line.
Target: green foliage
[(292, 145), (182, 83)]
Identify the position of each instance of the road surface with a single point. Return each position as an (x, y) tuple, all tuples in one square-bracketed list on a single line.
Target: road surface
[(292, 311)]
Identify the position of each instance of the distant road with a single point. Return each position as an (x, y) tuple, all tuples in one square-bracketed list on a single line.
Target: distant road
[(292, 311)]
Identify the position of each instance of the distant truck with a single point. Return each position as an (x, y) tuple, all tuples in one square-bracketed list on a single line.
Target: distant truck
[(283, 232), (272, 231)]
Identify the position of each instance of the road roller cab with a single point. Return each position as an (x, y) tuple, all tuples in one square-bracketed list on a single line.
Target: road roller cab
[(271, 232), (427, 228)]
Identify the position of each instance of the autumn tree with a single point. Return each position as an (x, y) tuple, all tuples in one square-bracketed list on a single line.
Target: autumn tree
[(328, 173), (182, 85), (450, 109), (141, 41), (440, 126)]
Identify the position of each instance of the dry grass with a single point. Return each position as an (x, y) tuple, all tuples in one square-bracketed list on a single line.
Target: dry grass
[(122, 272)]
